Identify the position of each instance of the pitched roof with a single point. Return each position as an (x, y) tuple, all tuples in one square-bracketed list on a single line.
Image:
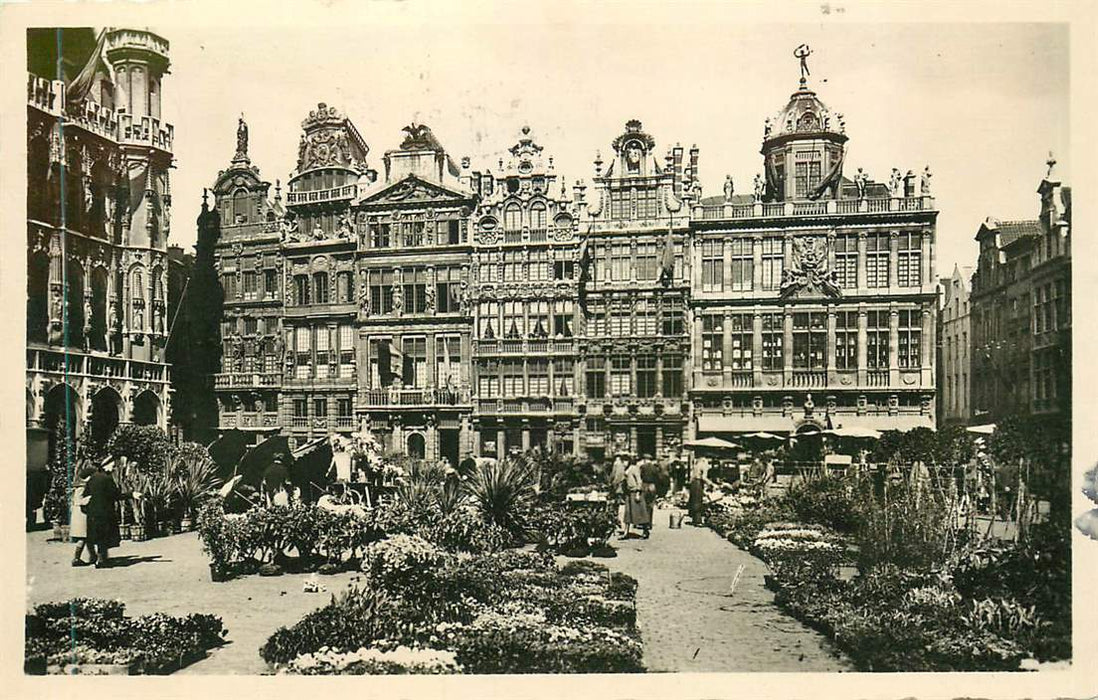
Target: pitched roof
[(1012, 231)]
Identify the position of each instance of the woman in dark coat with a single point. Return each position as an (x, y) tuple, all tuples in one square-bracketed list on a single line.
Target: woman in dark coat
[(102, 493)]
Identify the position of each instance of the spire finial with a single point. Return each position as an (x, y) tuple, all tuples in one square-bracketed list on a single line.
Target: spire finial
[(241, 139), (803, 52), (205, 205), (1051, 163)]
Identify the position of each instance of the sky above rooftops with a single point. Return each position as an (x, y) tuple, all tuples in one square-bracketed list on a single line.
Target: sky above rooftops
[(982, 105)]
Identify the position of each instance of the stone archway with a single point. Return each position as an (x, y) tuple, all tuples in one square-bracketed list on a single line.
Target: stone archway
[(62, 404), (146, 409), (106, 413), (417, 446)]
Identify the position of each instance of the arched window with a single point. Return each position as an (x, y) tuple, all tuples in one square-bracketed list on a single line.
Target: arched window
[(512, 218), (38, 290), (320, 288), (240, 207), (74, 301), (537, 215), (98, 340)]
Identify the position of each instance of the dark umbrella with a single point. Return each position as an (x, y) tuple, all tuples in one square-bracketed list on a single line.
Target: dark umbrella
[(227, 450), (255, 463), (310, 468)]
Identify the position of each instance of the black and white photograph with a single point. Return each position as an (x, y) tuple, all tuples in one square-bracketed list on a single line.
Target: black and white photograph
[(570, 341)]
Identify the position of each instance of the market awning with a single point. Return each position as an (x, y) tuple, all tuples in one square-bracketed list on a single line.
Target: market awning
[(883, 423), (855, 431), (712, 443), (745, 424), (982, 429), (227, 450)]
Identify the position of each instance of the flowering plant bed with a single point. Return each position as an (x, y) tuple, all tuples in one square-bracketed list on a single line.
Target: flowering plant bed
[(429, 611), (93, 637)]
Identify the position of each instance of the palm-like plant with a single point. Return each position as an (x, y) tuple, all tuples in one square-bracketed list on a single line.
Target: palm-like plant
[(194, 475), (504, 492)]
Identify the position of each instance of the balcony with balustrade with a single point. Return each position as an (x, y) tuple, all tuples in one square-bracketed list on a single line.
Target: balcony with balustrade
[(539, 405), (814, 379), (249, 380), (93, 365), (538, 347), (405, 398), (795, 209), (333, 194)]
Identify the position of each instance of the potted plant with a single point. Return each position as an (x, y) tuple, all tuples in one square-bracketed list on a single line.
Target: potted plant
[(195, 479)]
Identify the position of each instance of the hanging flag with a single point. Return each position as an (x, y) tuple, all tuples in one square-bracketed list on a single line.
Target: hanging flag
[(775, 188), (77, 91), (830, 181), (585, 258), (389, 362)]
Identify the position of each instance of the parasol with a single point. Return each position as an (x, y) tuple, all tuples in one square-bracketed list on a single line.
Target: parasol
[(254, 464), (309, 471), (855, 432), (227, 450), (982, 429), (710, 443), (764, 436)]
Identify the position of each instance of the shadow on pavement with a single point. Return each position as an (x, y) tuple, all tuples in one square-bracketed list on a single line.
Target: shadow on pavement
[(129, 560)]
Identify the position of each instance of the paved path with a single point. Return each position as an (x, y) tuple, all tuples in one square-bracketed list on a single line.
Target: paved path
[(688, 621), (172, 575)]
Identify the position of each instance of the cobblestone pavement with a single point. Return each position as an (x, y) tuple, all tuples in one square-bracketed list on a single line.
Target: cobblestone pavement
[(172, 575), (690, 623)]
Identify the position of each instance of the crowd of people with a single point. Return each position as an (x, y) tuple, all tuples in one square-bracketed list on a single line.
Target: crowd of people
[(636, 483)]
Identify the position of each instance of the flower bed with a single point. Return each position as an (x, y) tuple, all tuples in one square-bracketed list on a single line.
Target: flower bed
[(62, 637), (430, 611)]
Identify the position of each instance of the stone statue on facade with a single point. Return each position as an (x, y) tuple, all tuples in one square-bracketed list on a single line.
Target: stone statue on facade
[(760, 187), (430, 297), (465, 302), (398, 298), (729, 188), (861, 180), (241, 138), (158, 319), (895, 183), (288, 229), (809, 270), (924, 182), (768, 126), (345, 228), (318, 232)]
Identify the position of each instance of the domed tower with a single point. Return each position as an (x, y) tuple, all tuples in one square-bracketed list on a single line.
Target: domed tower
[(803, 146)]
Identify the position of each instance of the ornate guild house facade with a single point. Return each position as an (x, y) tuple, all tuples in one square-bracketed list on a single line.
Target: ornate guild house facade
[(98, 221), (453, 311)]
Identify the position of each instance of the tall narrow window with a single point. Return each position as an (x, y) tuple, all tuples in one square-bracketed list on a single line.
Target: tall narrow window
[(741, 274), (380, 235), (345, 288), (381, 291), (773, 335), (772, 261), (846, 340), (538, 318), (807, 172), (598, 324), (672, 375), (320, 288), (671, 316), (562, 377), (876, 260), (323, 347), (304, 352), (413, 234), (301, 290), (537, 216), (251, 286), (346, 351), (621, 377), (620, 318), (621, 262), (646, 262), (537, 369), (646, 375), (910, 339), (488, 380), (270, 284), (743, 341), (514, 323), (712, 266), (644, 316), (488, 320), (414, 370), (448, 290), (846, 261), (712, 343), (562, 318), (596, 377), (810, 340), (415, 290), (448, 361), (909, 262), (876, 339), (512, 218), (514, 381), (538, 265)]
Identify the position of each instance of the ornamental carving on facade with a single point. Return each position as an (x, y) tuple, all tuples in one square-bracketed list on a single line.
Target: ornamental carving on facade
[(809, 271)]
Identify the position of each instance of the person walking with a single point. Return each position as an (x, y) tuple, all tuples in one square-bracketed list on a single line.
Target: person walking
[(101, 493), (650, 478), (636, 510), (699, 478), (78, 519), (617, 492)]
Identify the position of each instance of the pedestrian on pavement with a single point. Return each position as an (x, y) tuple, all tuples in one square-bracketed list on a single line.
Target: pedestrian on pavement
[(78, 519), (617, 492), (636, 510), (699, 478), (102, 493), (650, 477)]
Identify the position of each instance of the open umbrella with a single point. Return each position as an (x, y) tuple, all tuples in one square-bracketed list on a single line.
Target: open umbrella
[(227, 450), (764, 436), (711, 443), (854, 431), (309, 471), (254, 464), (982, 429)]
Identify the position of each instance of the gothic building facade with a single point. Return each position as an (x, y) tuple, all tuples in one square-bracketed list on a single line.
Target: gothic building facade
[(98, 223), (455, 311)]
